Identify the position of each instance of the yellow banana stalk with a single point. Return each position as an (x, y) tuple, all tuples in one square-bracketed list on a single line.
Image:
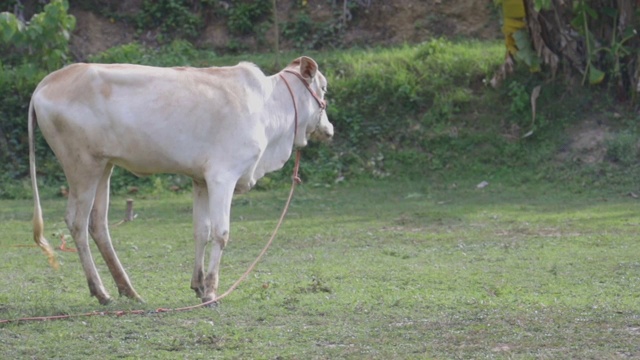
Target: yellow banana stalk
[(513, 14)]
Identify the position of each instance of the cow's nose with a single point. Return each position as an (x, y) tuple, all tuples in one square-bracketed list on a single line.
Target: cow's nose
[(329, 132), (322, 134)]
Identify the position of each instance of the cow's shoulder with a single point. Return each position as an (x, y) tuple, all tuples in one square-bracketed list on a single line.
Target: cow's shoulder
[(245, 74), (242, 68)]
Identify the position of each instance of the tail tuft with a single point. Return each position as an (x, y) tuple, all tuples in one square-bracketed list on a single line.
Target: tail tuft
[(47, 250)]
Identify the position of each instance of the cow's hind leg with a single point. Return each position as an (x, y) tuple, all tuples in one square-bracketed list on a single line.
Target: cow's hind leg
[(99, 230), (201, 234), (83, 180)]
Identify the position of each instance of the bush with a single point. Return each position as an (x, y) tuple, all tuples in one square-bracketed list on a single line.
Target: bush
[(173, 18), (244, 17), (177, 52), (622, 148), (42, 42), (308, 35), (397, 95), (28, 52)]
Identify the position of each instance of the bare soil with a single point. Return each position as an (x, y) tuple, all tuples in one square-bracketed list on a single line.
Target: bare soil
[(586, 142), (367, 22)]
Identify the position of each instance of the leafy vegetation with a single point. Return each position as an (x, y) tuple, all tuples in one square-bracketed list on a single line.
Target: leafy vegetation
[(170, 17), (184, 19), (28, 51), (597, 39), (243, 17), (42, 42), (309, 35)]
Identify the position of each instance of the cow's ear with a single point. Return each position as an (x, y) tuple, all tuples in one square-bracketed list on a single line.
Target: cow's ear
[(308, 68)]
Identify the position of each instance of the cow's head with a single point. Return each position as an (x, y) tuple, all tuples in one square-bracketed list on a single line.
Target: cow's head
[(313, 122)]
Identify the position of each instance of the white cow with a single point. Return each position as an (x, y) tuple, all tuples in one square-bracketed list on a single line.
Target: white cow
[(225, 127)]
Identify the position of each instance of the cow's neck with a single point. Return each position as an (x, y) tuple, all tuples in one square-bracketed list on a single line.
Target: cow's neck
[(280, 125), (286, 117), (296, 120)]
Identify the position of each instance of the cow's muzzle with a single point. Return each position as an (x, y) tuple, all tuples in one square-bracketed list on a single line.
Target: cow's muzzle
[(323, 132)]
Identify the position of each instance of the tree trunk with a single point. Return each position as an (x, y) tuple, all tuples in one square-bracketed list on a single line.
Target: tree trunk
[(593, 38)]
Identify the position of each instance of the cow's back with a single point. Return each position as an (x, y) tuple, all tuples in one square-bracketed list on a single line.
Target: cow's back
[(115, 84), (150, 119)]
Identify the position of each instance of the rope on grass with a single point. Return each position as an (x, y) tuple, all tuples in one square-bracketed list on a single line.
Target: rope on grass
[(295, 180)]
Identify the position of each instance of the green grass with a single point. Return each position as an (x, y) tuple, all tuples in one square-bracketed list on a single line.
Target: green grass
[(374, 270)]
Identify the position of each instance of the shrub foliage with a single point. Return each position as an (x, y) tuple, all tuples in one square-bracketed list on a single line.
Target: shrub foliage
[(29, 51)]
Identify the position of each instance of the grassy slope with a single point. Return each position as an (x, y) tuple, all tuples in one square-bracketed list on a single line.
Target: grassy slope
[(378, 270)]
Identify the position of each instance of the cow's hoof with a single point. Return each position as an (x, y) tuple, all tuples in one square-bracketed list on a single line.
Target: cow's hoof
[(105, 300), (209, 301), (131, 294)]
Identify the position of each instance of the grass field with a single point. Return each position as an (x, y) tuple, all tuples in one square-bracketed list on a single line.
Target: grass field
[(374, 270)]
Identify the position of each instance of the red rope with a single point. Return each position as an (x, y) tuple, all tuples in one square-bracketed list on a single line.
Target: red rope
[(63, 246), (294, 182)]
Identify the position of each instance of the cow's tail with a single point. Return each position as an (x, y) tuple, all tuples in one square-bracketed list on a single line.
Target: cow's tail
[(38, 223)]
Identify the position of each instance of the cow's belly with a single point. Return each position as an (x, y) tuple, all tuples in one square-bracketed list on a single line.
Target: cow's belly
[(141, 167)]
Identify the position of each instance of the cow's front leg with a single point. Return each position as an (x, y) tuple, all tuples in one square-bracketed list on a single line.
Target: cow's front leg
[(220, 197), (201, 234)]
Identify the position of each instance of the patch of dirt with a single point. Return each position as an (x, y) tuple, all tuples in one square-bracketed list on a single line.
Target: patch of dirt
[(368, 22), (94, 34), (586, 142), (410, 21)]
